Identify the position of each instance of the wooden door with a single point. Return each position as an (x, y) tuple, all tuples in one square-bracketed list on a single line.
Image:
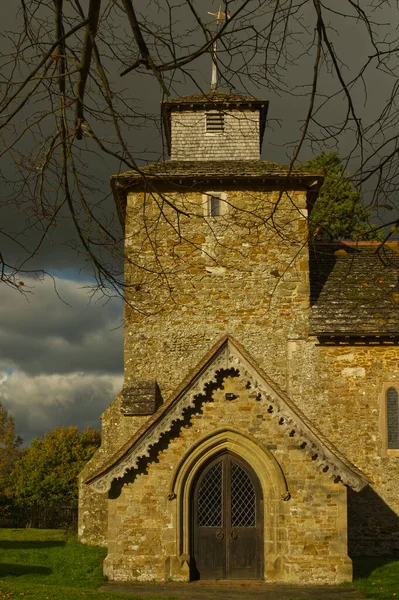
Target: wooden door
[(227, 521)]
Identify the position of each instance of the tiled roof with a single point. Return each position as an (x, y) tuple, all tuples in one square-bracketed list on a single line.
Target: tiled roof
[(213, 96), (214, 169), (354, 289), (180, 174)]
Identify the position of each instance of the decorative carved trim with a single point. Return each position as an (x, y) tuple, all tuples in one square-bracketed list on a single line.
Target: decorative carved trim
[(289, 418), (174, 414)]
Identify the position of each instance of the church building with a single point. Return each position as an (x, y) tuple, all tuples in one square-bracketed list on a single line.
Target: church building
[(257, 432)]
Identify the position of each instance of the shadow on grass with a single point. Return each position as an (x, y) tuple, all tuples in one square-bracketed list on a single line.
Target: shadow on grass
[(373, 526), (29, 545), (363, 566), (18, 570)]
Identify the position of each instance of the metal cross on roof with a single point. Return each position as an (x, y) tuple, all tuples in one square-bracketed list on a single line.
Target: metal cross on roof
[(221, 17)]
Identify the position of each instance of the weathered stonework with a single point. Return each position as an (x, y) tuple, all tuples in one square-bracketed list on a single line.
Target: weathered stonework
[(229, 356), (347, 385), (241, 277), (93, 507), (140, 398), (217, 315), (304, 531)]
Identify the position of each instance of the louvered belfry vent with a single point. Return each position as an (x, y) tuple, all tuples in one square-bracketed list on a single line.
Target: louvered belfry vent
[(215, 126), (210, 498), (214, 121), (243, 500)]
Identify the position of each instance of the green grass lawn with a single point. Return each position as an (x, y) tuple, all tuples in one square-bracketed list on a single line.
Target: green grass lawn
[(49, 564), (377, 578)]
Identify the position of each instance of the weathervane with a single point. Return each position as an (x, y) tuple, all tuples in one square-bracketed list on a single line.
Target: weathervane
[(221, 17)]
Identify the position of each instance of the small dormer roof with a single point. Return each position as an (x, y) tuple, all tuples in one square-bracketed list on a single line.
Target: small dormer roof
[(214, 100)]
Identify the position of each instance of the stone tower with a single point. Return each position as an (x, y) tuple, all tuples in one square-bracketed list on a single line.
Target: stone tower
[(222, 370), (215, 242)]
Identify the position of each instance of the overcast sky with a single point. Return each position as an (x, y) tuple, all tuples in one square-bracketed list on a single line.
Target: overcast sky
[(61, 356), (61, 351)]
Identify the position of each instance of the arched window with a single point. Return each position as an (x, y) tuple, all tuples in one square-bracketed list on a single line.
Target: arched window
[(392, 402)]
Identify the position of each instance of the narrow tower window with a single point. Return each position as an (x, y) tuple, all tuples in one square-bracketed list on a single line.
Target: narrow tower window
[(214, 121), (215, 209), (215, 204), (392, 400)]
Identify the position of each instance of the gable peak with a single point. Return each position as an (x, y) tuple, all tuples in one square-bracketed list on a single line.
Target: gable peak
[(227, 355)]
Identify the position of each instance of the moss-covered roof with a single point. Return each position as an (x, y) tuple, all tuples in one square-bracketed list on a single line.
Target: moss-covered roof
[(212, 168), (213, 96), (355, 289), (174, 175)]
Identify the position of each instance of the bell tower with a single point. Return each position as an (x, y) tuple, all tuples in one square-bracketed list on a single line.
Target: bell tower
[(215, 243), (215, 246), (216, 126)]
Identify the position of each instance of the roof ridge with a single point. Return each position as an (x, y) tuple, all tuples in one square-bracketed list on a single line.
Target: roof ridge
[(211, 96)]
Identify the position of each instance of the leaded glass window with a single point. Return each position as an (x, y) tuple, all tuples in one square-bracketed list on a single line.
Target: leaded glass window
[(392, 399), (243, 500), (210, 498)]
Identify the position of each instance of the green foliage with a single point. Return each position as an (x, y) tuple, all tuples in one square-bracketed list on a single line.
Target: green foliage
[(46, 473), (9, 446), (40, 564), (338, 213)]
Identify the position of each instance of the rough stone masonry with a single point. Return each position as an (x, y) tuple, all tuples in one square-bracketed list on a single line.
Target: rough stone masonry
[(244, 345)]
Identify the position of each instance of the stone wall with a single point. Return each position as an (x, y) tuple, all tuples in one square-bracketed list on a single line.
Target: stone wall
[(238, 141), (342, 389), (246, 274), (305, 536), (116, 429)]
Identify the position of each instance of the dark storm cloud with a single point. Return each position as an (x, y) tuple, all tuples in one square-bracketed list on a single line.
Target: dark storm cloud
[(60, 365), (286, 116), (40, 403), (50, 334)]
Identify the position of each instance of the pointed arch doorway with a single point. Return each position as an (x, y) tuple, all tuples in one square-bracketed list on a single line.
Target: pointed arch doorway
[(227, 521)]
